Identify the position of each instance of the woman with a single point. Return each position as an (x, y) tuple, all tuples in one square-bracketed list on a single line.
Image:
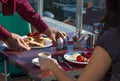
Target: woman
[(24, 9), (105, 60)]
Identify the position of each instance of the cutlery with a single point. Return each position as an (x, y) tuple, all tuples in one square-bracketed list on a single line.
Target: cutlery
[(61, 60), (84, 37)]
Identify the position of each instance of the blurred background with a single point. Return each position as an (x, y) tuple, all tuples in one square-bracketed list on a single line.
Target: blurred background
[(65, 11)]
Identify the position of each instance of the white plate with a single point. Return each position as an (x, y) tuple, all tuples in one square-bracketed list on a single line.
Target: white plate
[(35, 61), (67, 57), (48, 44)]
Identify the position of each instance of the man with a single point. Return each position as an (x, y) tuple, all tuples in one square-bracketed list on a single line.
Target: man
[(25, 10)]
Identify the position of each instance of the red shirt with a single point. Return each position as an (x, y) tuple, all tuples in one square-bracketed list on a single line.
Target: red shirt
[(25, 10)]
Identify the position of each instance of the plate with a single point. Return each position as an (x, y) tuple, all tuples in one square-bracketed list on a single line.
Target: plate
[(68, 57), (35, 61), (48, 44)]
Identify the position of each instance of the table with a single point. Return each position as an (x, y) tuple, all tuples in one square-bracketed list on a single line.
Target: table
[(23, 61)]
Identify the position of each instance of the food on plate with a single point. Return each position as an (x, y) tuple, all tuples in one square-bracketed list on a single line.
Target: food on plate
[(35, 44), (80, 57), (28, 39), (84, 58), (88, 54), (73, 56), (34, 34), (36, 39), (29, 34)]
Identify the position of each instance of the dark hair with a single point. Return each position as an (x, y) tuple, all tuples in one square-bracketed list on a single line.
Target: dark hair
[(112, 15)]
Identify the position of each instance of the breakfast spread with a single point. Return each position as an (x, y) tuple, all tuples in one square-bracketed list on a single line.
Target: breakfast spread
[(78, 57), (74, 56), (36, 39)]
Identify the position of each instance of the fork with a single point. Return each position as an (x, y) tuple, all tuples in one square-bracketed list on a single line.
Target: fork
[(61, 60)]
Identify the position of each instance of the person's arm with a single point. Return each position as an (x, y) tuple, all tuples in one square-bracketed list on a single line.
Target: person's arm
[(13, 41), (94, 71), (97, 68), (26, 11), (3, 1), (8, 7), (4, 34), (61, 75)]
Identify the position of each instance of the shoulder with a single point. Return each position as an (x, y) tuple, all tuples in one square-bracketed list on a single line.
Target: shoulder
[(110, 41), (110, 35)]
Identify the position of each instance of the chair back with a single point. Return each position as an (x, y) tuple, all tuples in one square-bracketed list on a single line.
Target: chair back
[(15, 24)]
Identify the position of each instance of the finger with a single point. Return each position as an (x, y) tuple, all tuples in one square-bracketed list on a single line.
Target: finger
[(64, 34), (42, 64), (61, 34), (23, 46), (22, 41), (52, 37)]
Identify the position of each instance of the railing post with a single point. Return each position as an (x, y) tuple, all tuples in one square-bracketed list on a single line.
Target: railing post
[(40, 7), (79, 15)]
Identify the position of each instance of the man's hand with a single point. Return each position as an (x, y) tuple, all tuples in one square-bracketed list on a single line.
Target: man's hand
[(15, 42), (54, 34)]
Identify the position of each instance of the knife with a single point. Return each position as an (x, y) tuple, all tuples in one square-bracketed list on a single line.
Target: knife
[(61, 60)]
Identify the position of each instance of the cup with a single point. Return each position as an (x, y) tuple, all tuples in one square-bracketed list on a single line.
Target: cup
[(44, 55)]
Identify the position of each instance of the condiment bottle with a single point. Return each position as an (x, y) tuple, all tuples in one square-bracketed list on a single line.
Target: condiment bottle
[(60, 43), (65, 41)]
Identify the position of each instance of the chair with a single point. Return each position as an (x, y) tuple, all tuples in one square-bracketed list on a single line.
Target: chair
[(14, 24)]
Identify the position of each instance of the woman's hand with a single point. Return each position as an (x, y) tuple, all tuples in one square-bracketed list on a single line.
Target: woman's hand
[(55, 68), (15, 42), (48, 64), (54, 34)]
